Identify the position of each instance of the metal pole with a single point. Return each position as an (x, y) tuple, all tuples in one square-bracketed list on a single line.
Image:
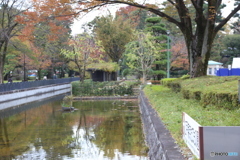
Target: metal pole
[(168, 59)]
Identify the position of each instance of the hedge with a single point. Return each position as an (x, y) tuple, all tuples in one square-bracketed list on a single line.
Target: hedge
[(209, 90)]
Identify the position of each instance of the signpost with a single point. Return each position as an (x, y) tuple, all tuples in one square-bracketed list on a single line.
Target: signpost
[(191, 134), (211, 142)]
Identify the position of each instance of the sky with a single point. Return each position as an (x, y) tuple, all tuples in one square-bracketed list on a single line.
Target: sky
[(76, 27), (88, 17)]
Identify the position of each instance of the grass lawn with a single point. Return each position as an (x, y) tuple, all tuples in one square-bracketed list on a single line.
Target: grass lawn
[(170, 106), (13, 81)]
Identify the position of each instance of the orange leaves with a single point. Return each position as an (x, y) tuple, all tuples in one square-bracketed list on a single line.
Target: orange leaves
[(129, 13), (54, 8), (55, 31), (179, 55), (49, 12), (38, 59)]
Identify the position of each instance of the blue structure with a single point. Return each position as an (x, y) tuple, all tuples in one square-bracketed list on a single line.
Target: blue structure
[(228, 72)]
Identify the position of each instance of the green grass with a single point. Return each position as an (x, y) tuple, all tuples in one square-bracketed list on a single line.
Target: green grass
[(14, 81), (213, 83), (170, 106), (210, 90)]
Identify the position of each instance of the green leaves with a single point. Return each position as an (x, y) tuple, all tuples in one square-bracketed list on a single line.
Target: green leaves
[(114, 35), (141, 53), (90, 88)]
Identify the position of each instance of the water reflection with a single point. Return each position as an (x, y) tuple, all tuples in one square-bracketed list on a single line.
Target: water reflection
[(97, 130)]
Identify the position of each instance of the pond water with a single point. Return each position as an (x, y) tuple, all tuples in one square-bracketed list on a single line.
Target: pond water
[(98, 130)]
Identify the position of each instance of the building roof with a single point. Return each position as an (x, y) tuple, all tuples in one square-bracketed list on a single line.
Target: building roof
[(214, 63)]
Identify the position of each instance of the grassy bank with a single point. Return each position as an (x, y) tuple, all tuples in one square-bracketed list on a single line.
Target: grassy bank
[(170, 104), (209, 90)]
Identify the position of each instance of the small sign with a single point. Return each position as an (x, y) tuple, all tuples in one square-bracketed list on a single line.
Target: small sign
[(191, 134)]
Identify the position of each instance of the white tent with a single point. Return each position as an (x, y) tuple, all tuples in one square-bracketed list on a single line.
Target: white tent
[(236, 62)]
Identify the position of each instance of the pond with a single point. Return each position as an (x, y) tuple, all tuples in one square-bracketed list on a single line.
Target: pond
[(97, 130)]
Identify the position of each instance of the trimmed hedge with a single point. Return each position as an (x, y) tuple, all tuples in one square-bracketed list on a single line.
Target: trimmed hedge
[(167, 81), (209, 90)]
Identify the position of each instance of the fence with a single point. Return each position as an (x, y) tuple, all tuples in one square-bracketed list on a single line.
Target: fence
[(6, 87), (227, 72)]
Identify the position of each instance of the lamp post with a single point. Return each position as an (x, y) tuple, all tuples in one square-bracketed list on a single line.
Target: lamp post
[(168, 59)]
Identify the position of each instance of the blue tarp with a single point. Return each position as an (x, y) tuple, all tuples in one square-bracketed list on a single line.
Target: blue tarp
[(227, 72)]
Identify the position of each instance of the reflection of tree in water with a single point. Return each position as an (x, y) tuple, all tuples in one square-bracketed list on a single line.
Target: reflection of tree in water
[(55, 137), (58, 134), (122, 131), (4, 140), (43, 127)]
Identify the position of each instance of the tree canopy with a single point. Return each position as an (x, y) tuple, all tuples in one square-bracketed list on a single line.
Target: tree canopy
[(141, 54), (113, 34), (199, 25)]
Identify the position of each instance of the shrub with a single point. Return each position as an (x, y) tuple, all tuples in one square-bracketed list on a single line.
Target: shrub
[(166, 81), (209, 90), (90, 88), (185, 76), (132, 83)]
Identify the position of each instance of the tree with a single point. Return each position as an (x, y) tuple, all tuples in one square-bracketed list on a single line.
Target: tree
[(37, 60), (9, 11), (21, 51), (82, 52), (231, 48), (47, 25), (158, 30), (114, 35), (218, 47), (199, 29), (52, 47), (12, 58), (236, 26), (179, 58), (135, 15), (141, 54)]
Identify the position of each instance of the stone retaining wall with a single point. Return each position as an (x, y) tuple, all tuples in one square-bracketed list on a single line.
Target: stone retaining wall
[(160, 142), (17, 97)]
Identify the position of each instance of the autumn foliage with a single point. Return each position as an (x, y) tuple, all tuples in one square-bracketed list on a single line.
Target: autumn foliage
[(49, 12), (179, 58)]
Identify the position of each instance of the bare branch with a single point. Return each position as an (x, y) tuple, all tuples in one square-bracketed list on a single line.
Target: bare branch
[(220, 25), (171, 2), (151, 9)]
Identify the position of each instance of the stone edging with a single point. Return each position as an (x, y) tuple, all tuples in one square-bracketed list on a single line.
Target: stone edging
[(161, 144)]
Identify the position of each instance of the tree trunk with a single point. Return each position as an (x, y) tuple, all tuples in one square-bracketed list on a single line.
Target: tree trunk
[(80, 74), (3, 51), (199, 48), (144, 77), (39, 74)]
